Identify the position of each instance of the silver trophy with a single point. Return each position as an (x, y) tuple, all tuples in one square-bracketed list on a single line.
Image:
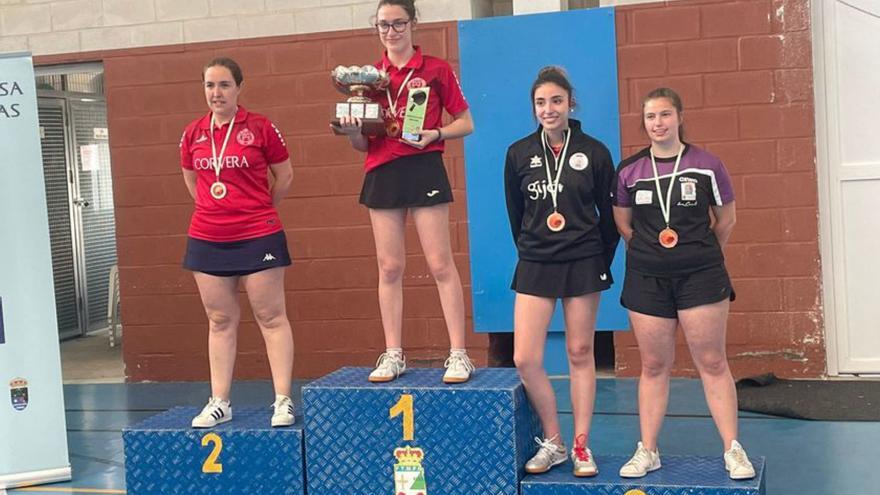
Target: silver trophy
[(358, 82)]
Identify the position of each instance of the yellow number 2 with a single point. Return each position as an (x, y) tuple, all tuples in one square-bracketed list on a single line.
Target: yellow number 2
[(405, 406), (211, 465)]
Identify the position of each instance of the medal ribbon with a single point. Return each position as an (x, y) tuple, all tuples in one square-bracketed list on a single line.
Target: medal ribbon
[(554, 183), (218, 161), (392, 105), (666, 203)]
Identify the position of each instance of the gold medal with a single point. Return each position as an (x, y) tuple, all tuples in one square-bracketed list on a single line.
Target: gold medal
[(668, 238), (218, 190), (392, 128), (555, 221)]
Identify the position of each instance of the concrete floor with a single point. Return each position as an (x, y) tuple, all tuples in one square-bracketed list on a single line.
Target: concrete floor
[(90, 359)]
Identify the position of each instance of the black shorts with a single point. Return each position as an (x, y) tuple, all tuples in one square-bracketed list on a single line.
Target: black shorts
[(236, 258), (409, 181), (558, 280), (664, 296)]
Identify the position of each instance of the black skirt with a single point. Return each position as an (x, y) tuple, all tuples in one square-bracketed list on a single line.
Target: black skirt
[(559, 280), (409, 181), (237, 258)]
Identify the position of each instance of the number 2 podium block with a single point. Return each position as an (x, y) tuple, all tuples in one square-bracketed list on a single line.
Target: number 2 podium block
[(469, 438), (164, 455), (680, 475)]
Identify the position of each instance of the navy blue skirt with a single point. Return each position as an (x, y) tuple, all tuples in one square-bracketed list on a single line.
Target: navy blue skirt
[(237, 258)]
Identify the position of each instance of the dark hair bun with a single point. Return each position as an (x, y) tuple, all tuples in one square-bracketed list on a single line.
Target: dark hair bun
[(408, 5)]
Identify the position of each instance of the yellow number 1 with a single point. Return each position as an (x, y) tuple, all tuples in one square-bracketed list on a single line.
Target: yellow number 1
[(405, 406), (211, 465)]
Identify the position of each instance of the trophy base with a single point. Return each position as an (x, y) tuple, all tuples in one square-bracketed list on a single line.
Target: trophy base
[(369, 127)]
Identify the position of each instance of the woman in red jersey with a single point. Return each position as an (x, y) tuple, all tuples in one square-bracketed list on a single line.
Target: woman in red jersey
[(235, 234), (405, 174)]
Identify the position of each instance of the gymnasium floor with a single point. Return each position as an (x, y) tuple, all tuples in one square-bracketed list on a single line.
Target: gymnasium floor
[(803, 457)]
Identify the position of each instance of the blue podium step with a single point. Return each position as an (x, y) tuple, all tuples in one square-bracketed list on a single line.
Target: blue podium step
[(680, 475), (163, 455), (416, 435)]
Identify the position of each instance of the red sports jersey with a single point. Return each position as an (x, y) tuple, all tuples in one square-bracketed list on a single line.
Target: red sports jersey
[(246, 211), (445, 94)]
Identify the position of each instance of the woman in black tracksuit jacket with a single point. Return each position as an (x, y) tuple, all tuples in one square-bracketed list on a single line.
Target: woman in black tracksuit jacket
[(558, 183)]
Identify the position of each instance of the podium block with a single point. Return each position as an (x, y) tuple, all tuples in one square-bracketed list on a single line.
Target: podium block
[(164, 455), (416, 435), (680, 475)]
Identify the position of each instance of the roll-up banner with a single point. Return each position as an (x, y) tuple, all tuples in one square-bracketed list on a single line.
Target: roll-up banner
[(33, 439)]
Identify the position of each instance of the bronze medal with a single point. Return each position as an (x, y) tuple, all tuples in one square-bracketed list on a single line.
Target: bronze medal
[(668, 238), (218, 190), (555, 221)]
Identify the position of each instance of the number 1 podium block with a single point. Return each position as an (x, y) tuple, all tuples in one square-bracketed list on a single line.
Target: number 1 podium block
[(417, 435), (164, 455), (680, 475)]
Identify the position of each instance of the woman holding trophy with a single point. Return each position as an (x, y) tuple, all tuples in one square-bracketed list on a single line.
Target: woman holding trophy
[(558, 182), (235, 235), (405, 174)]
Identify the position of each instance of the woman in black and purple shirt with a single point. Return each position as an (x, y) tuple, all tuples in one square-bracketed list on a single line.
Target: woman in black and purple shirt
[(674, 207)]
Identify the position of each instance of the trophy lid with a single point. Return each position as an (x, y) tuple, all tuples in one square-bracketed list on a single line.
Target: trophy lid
[(367, 75)]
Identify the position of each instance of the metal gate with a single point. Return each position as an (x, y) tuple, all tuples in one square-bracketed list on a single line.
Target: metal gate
[(79, 194)]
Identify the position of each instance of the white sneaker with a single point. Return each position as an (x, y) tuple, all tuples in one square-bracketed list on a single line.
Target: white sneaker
[(643, 462), (737, 463), (549, 454), (458, 367), (216, 412), (388, 367), (582, 459), (283, 415)]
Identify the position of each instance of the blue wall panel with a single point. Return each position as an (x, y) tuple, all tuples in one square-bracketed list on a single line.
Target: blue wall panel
[(500, 58)]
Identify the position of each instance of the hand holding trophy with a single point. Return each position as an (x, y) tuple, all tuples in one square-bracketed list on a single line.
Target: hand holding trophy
[(358, 82)]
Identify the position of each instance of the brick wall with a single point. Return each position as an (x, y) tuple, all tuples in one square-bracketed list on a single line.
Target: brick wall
[(744, 71), (331, 288), (743, 68)]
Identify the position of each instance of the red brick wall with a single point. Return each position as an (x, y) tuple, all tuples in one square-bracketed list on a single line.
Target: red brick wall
[(744, 71), (152, 93)]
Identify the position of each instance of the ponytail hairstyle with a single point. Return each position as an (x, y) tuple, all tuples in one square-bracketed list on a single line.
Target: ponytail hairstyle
[(556, 75)]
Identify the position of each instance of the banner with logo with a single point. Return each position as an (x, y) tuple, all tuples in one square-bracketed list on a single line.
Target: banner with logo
[(33, 436)]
